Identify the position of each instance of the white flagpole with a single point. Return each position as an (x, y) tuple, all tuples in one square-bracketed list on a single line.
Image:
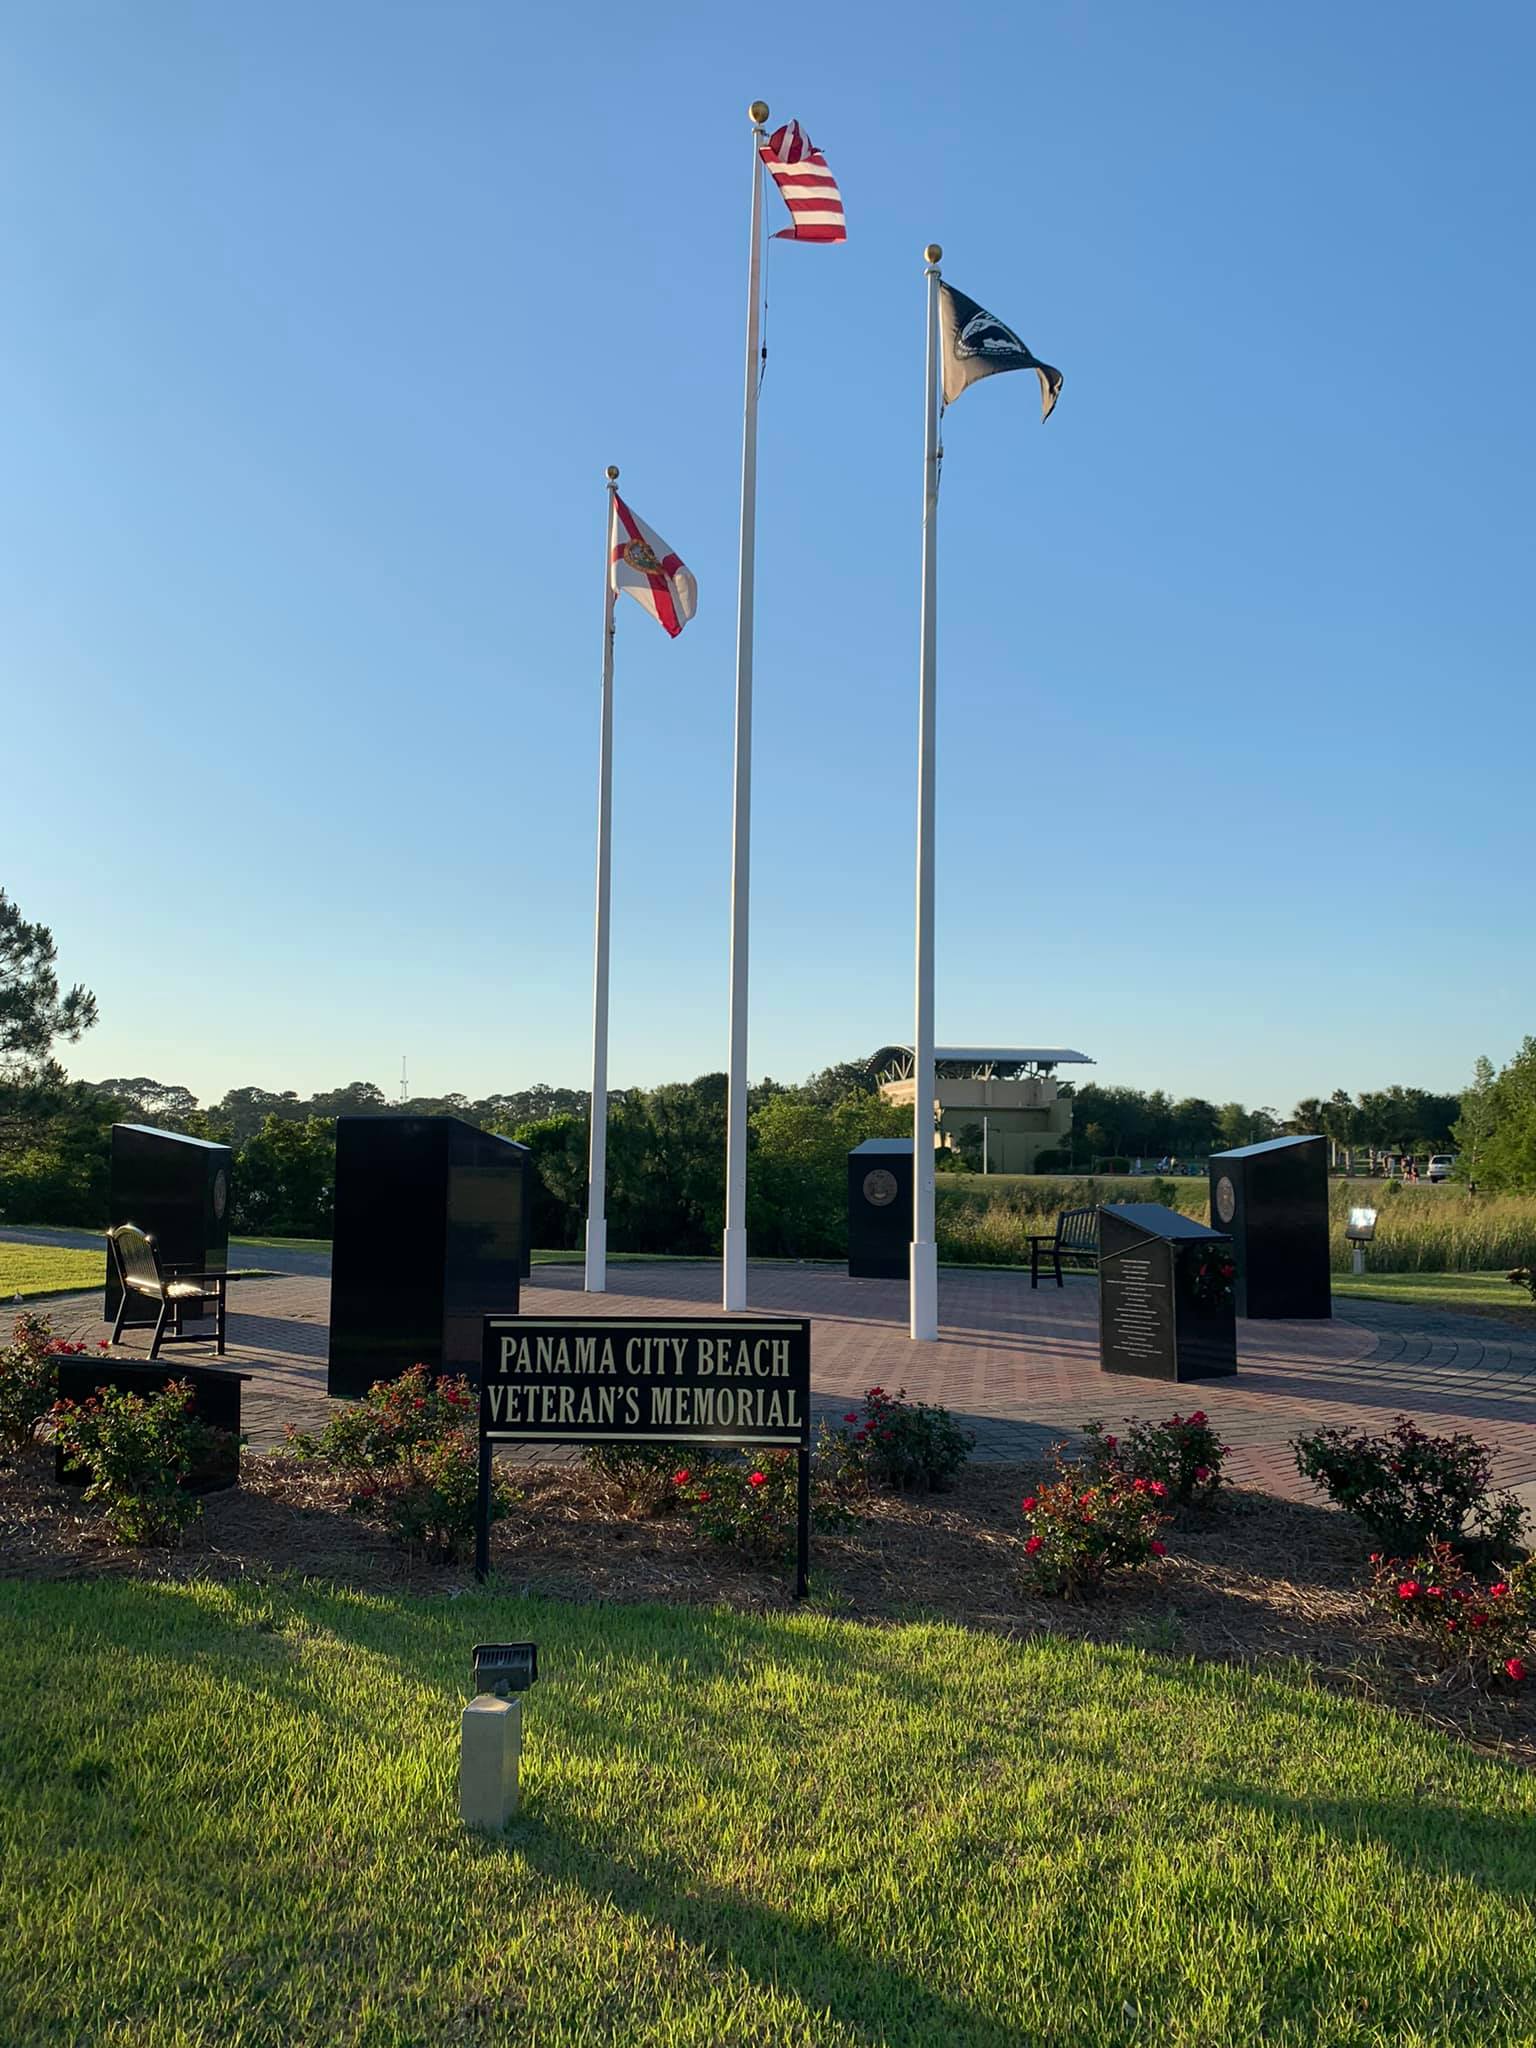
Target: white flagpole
[(734, 1277), (924, 1298), (596, 1278)]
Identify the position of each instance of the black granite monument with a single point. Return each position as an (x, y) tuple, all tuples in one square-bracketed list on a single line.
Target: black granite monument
[(1273, 1200), (1166, 1308), (880, 1209), (176, 1189), (430, 1237)]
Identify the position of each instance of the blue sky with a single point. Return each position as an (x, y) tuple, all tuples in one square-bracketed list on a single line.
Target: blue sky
[(322, 321)]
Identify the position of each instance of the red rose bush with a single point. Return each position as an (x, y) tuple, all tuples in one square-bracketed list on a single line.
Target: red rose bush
[(1080, 1529)]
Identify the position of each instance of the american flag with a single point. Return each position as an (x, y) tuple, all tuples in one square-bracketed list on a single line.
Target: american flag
[(810, 191)]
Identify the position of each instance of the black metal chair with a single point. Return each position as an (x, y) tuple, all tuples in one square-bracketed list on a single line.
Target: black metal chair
[(140, 1272), (1075, 1237)]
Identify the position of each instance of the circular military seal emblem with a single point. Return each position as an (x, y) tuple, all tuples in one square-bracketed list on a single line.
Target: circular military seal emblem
[(1226, 1199), (880, 1187)]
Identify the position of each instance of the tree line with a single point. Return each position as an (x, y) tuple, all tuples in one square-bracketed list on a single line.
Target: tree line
[(666, 1145)]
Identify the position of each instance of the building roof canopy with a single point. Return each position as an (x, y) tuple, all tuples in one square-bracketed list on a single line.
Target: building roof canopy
[(895, 1061)]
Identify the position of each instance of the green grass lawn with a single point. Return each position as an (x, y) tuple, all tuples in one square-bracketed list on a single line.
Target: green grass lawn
[(1439, 1290), (227, 1816), (35, 1270), (288, 1244)]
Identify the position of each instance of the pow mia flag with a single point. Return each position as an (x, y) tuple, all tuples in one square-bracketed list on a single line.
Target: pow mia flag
[(977, 344)]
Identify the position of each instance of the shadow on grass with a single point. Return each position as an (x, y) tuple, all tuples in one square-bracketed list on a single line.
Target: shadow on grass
[(605, 1664)]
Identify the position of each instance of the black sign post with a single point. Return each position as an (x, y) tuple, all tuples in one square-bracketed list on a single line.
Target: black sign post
[(738, 1380)]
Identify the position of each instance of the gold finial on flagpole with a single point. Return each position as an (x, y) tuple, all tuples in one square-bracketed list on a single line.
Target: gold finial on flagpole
[(758, 111), (613, 472), (932, 253)]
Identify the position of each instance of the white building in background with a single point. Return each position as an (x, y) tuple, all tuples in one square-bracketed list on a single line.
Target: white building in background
[(1003, 1101)]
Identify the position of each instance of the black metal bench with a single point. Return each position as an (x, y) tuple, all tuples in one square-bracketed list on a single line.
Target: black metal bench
[(1076, 1236)]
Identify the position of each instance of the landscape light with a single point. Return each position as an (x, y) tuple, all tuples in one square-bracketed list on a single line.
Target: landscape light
[(503, 1668), (1361, 1227), (491, 1733)]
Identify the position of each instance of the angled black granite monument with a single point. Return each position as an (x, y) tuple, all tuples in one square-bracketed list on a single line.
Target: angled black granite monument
[(430, 1236), (1166, 1308), (177, 1189), (1273, 1199), (880, 1209)]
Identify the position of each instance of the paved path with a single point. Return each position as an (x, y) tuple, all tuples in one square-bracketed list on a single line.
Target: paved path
[(1018, 1367)]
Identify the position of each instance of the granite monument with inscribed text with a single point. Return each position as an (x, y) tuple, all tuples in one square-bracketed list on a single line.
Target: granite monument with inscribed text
[(1166, 1309)]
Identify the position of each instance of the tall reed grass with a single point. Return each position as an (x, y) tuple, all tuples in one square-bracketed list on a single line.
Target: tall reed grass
[(989, 1220)]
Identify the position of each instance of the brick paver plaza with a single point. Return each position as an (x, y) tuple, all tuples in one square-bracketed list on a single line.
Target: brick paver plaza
[(1018, 1367)]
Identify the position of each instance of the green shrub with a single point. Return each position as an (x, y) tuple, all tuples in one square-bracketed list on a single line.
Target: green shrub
[(427, 1501), (140, 1450), (750, 1504), (1412, 1490), (1184, 1453), (1080, 1533), (895, 1442), (29, 1379), (394, 1420), (411, 1450), (641, 1473), (1480, 1634)]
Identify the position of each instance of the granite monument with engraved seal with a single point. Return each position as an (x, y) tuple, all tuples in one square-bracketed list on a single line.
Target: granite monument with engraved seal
[(1273, 1198), (880, 1209), (1166, 1302)]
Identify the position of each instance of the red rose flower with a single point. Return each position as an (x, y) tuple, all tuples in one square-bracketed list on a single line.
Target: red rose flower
[(1408, 1589), (851, 1416), (1514, 1668), (1029, 1503), (757, 1479), (1498, 1592), (1032, 1546), (703, 1494), (1202, 1473), (1158, 1549), (1157, 1489), (681, 1478), (1198, 1416)]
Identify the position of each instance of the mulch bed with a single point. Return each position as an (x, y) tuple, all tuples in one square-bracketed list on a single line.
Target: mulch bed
[(1259, 1581)]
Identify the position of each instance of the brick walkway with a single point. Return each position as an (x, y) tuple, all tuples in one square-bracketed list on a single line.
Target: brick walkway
[(1018, 1367)]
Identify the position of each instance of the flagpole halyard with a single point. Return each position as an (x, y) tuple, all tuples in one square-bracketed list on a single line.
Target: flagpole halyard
[(595, 1278), (734, 1260), (924, 1295)]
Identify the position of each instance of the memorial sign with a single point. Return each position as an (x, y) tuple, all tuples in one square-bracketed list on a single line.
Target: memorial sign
[(731, 1380)]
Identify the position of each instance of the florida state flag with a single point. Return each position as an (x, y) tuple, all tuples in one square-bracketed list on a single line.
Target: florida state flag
[(648, 569)]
